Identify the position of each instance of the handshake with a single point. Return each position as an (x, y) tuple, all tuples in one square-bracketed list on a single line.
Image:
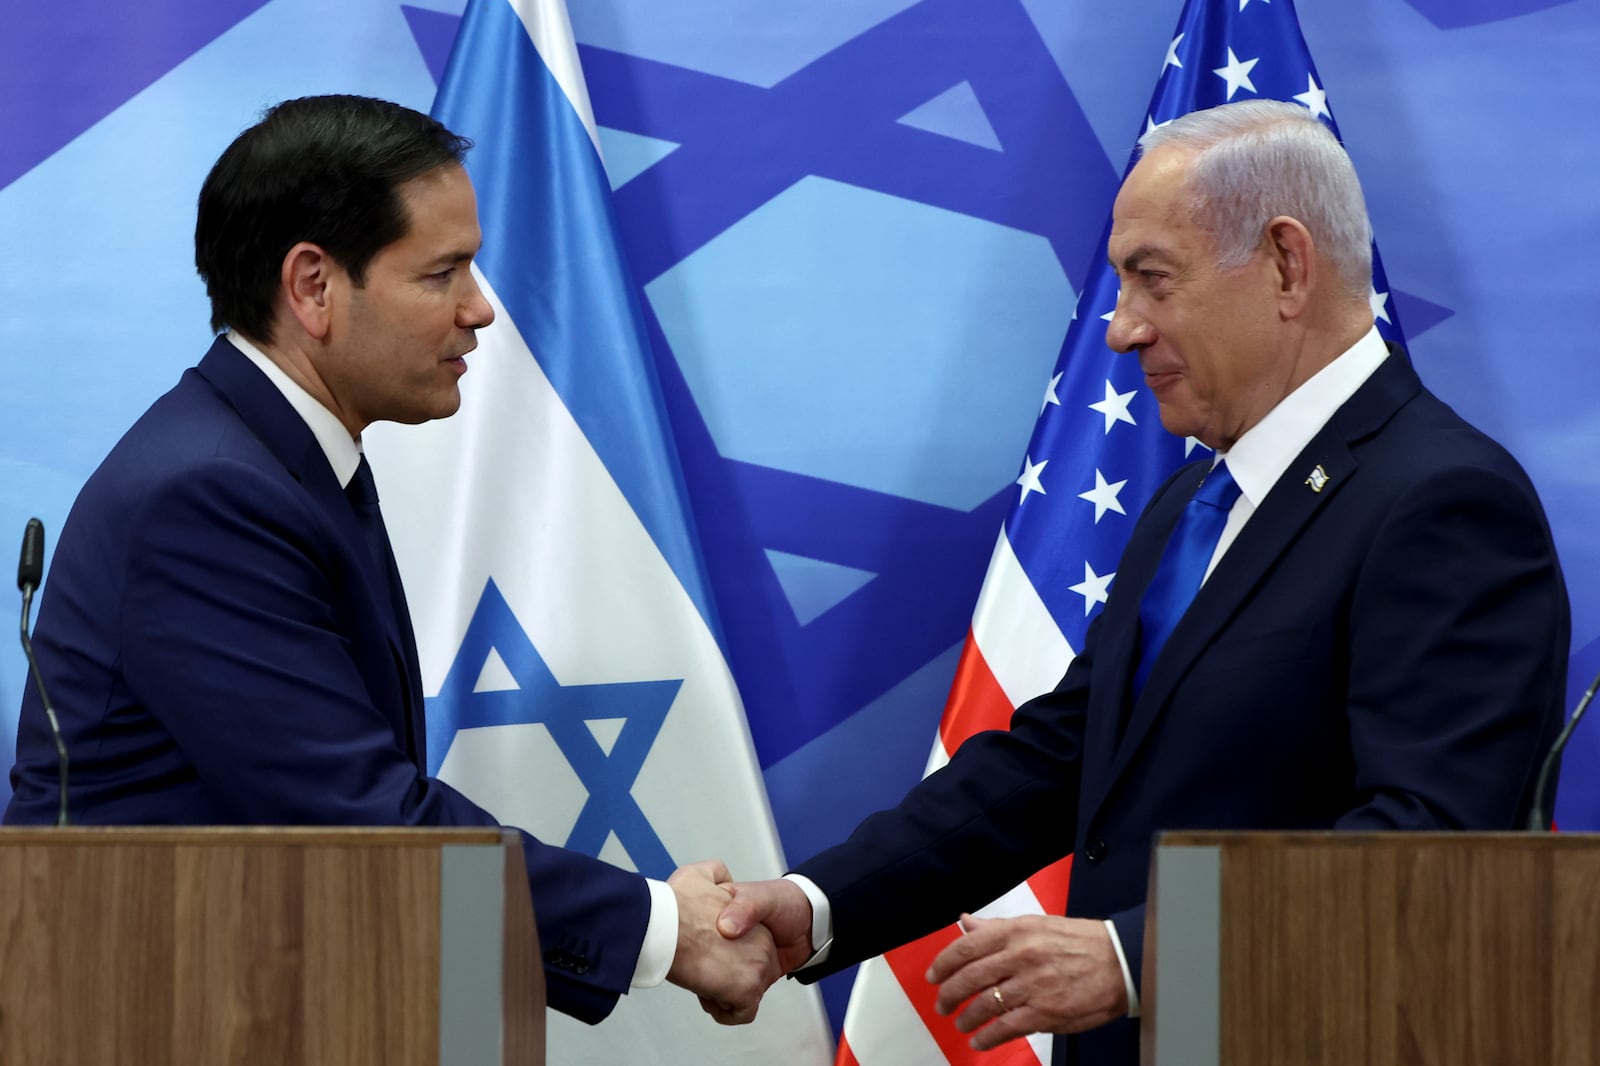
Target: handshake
[(736, 939), (1007, 977)]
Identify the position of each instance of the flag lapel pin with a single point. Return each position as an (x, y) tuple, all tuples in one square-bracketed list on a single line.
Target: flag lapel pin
[(1318, 478)]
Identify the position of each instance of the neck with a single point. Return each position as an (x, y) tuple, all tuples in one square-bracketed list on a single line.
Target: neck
[(1329, 335), (295, 360)]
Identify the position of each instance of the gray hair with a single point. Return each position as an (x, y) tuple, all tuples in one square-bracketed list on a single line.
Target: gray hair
[(1257, 159)]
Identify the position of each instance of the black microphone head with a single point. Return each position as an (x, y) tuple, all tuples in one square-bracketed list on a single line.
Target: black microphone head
[(30, 568)]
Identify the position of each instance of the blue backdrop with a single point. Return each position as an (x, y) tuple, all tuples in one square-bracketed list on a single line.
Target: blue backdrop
[(859, 227)]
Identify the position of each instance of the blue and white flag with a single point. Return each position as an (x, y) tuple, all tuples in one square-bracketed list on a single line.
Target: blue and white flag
[(577, 685)]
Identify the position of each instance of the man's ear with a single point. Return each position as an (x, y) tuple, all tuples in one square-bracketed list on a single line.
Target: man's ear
[(305, 285), (1294, 257)]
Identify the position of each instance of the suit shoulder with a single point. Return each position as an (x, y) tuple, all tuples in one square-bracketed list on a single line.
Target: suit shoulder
[(190, 453), (1427, 440), (177, 437)]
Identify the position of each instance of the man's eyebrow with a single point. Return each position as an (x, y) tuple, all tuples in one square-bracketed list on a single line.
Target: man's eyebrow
[(1133, 259), (453, 258)]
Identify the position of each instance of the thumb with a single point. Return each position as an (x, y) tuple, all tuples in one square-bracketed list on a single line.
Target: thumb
[(748, 908), (971, 923), (737, 919)]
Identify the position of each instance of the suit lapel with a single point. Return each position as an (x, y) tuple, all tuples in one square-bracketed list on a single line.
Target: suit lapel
[(1309, 484), (279, 426), (1118, 652)]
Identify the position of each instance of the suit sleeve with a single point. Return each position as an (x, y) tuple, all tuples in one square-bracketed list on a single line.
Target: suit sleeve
[(1459, 635), (1002, 809), (237, 635)]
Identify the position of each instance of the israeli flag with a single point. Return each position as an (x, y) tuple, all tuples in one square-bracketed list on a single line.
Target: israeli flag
[(576, 683)]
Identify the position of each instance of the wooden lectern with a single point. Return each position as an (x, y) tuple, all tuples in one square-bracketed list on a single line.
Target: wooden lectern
[(1390, 949), (289, 947)]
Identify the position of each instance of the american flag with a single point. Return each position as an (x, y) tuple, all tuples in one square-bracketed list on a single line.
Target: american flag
[(1097, 454)]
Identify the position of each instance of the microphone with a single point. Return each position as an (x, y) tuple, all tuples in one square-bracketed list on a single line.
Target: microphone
[(30, 569), (1538, 822), (30, 572)]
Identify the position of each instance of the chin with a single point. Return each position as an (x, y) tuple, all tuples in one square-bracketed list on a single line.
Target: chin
[(1175, 423), (434, 415), (445, 402), (443, 408)]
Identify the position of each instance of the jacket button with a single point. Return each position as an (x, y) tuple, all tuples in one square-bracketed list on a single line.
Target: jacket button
[(1095, 851)]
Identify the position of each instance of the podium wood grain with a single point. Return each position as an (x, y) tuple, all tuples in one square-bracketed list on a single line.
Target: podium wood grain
[(1413, 949), (269, 946)]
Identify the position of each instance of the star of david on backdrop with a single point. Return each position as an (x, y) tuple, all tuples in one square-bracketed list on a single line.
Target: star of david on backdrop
[(738, 147), (116, 50), (566, 711)]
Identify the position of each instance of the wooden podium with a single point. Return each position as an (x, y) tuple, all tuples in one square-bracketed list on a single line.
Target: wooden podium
[(1392, 949), (289, 947)]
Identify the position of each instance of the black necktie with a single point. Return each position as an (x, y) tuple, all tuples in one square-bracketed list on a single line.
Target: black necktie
[(363, 494)]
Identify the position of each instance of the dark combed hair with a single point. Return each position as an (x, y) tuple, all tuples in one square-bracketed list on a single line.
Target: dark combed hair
[(323, 169)]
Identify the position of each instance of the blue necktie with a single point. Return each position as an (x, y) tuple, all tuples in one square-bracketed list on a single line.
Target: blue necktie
[(363, 494), (1183, 566)]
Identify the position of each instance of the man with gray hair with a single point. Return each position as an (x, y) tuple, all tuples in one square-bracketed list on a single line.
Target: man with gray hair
[(1350, 616)]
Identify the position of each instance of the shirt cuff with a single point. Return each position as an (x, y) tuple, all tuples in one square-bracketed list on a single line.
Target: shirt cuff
[(821, 920), (1127, 974), (660, 937)]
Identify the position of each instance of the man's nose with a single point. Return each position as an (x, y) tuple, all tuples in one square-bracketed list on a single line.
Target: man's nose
[(1128, 331), (475, 311)]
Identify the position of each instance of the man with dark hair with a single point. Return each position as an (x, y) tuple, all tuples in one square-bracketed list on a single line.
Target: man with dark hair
[(351, 156), (1350, 617), (225, 634)]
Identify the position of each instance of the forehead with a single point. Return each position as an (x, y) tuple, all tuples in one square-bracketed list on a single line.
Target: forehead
[(1153, 211), (441, 211)]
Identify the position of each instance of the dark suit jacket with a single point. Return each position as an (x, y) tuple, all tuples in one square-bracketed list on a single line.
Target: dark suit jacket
[(221, 650), (1387, 653)]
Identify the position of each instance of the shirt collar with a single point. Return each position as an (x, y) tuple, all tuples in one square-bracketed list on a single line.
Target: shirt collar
[(343, 451), (1258, 458)]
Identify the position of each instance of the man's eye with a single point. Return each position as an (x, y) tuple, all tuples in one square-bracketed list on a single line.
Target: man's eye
[(443, 275)]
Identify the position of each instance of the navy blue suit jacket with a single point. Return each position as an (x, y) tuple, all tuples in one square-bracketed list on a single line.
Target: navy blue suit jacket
[(1386, 653), (221, 650)]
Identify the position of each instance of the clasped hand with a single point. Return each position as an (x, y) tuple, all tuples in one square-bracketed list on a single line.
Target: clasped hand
[(729, 974), (734, 941)]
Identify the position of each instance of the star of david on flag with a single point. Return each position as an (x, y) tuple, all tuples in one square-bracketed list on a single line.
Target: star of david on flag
[(603, 731), (577, 686), (1097, 454)]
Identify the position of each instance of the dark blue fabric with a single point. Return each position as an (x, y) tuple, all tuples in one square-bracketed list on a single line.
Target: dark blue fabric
[(363, 494), (222, 649), (1387, 653)]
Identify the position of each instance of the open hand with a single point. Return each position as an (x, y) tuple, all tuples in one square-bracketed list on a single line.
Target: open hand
[(1054, 975)]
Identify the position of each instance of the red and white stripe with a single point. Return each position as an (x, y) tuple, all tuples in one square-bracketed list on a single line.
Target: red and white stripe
[(1013, 652)]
